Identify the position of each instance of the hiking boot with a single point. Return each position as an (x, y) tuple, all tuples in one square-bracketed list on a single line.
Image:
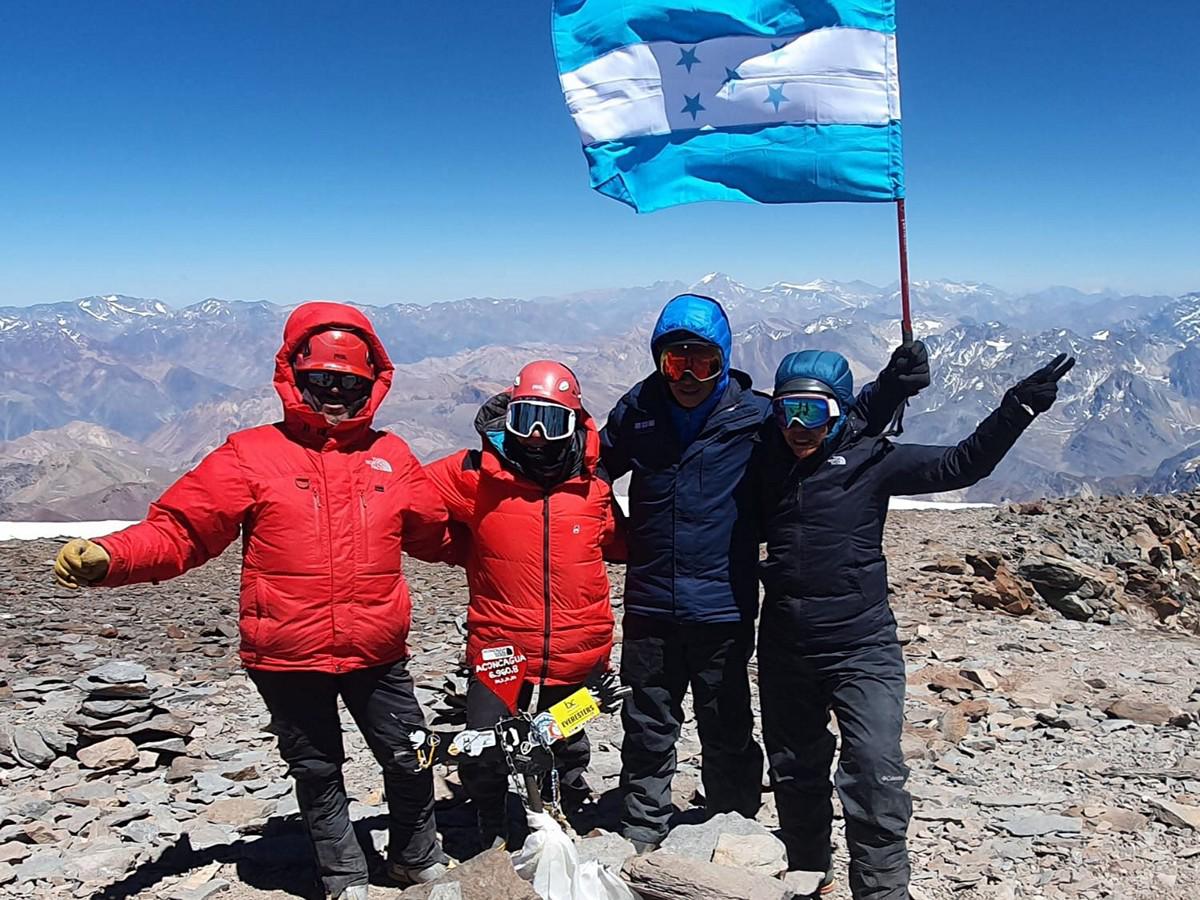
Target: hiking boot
[(409, 875), (827, 884), (644, 847), (493, 830), (353, 892)]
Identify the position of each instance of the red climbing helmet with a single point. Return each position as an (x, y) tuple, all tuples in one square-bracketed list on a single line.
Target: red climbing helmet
[(547, 380), (335, 350)]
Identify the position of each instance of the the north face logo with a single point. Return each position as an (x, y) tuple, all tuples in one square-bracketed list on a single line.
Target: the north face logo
[(837, 460), (379, 465)]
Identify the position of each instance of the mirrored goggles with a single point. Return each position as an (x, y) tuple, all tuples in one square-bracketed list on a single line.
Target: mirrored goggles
[(702, 361), (345, 381), (805, 410), (555, 422)]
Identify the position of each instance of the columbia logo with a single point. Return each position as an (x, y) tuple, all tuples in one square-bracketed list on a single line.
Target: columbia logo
[(379, 465)]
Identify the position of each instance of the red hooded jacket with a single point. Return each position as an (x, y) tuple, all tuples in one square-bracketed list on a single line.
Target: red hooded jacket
[(324, 512), (534, 556)]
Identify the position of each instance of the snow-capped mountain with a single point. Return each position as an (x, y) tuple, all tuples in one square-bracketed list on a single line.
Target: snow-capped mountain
[(169, 383)]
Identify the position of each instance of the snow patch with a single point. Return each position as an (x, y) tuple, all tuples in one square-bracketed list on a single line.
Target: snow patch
[(906, 503), (32, 531), (999, 346), (1101, 335), (894, 503)]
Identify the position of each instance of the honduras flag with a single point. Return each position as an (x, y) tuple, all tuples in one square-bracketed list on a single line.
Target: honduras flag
[(764, 101)]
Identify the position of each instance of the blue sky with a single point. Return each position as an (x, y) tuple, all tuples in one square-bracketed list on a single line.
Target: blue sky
[(417, 151)]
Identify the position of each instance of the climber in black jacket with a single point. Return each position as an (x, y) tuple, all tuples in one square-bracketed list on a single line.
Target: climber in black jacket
[(827, 637)]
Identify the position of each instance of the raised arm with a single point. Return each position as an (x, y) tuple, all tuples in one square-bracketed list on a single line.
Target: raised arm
[(195, 520), (905, 375), (917, 469)]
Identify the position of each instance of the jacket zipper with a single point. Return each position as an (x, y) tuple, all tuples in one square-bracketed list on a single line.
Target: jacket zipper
[(362, 518), (337, 666), (545, 586)]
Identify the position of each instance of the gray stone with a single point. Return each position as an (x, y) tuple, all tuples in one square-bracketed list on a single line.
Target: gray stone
[(42, 864), (609, 849), (118, 671), (1033, 826), (1071, 606), (82, 819), (212, 783), (141, 832), (101, 865), (699, 841), (30, 748), (103, 709), (205, 835)]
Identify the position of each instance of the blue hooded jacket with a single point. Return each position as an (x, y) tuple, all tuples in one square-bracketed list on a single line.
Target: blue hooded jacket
[(693, 527), (692, 316), (691, 533)]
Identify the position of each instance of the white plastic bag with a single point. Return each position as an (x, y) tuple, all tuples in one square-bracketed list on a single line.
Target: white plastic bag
[(548, 860)]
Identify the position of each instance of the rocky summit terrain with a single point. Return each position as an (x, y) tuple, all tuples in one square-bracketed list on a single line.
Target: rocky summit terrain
[(1053, 729)]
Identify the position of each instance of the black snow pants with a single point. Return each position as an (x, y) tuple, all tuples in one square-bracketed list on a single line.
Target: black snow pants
[(486, 778), (304, 718), (865, 689), (660, 659)]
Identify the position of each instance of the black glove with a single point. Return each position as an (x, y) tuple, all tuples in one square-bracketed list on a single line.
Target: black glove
[(606, 687), (908, 369), (1038, 392)]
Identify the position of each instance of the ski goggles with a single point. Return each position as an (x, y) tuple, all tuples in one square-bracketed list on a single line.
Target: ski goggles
[(805, 410), (327, 380), (554, 421), (702, 361)]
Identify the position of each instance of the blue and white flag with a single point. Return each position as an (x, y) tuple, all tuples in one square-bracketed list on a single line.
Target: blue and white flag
[(764, 101)]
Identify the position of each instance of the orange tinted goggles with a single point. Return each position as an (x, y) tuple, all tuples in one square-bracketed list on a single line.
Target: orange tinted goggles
[(701, 361)]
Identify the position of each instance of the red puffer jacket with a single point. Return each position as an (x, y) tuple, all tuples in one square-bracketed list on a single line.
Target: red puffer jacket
[(324, 514), (534, 556)]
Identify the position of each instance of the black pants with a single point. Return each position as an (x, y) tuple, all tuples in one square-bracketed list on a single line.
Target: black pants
[(304, 717), (865, 689), (660, 659), (486, 777)]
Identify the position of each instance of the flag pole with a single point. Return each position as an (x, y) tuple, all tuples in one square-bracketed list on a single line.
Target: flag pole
[(906, 329)]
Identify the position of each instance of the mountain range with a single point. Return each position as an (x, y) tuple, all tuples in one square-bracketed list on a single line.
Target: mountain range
[(105, 399)]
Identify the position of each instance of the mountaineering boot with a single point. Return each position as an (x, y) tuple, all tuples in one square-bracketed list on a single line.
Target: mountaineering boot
[(643, 847), (409, 875), (826, 886), (353, 892), (493, 829)]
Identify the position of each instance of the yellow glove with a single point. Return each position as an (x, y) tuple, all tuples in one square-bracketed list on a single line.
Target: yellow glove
[(81, 562)]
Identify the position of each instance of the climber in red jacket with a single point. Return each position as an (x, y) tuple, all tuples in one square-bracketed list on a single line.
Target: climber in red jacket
[(325, 504), (532, 516)]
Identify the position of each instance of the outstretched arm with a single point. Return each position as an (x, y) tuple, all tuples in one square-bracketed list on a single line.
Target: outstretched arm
[(195, 520), (917, 469)]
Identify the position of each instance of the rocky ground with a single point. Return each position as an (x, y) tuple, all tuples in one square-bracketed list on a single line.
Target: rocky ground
[(1052, 727)]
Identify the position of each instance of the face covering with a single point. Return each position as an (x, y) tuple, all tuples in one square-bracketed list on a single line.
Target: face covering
[(335, 402)]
